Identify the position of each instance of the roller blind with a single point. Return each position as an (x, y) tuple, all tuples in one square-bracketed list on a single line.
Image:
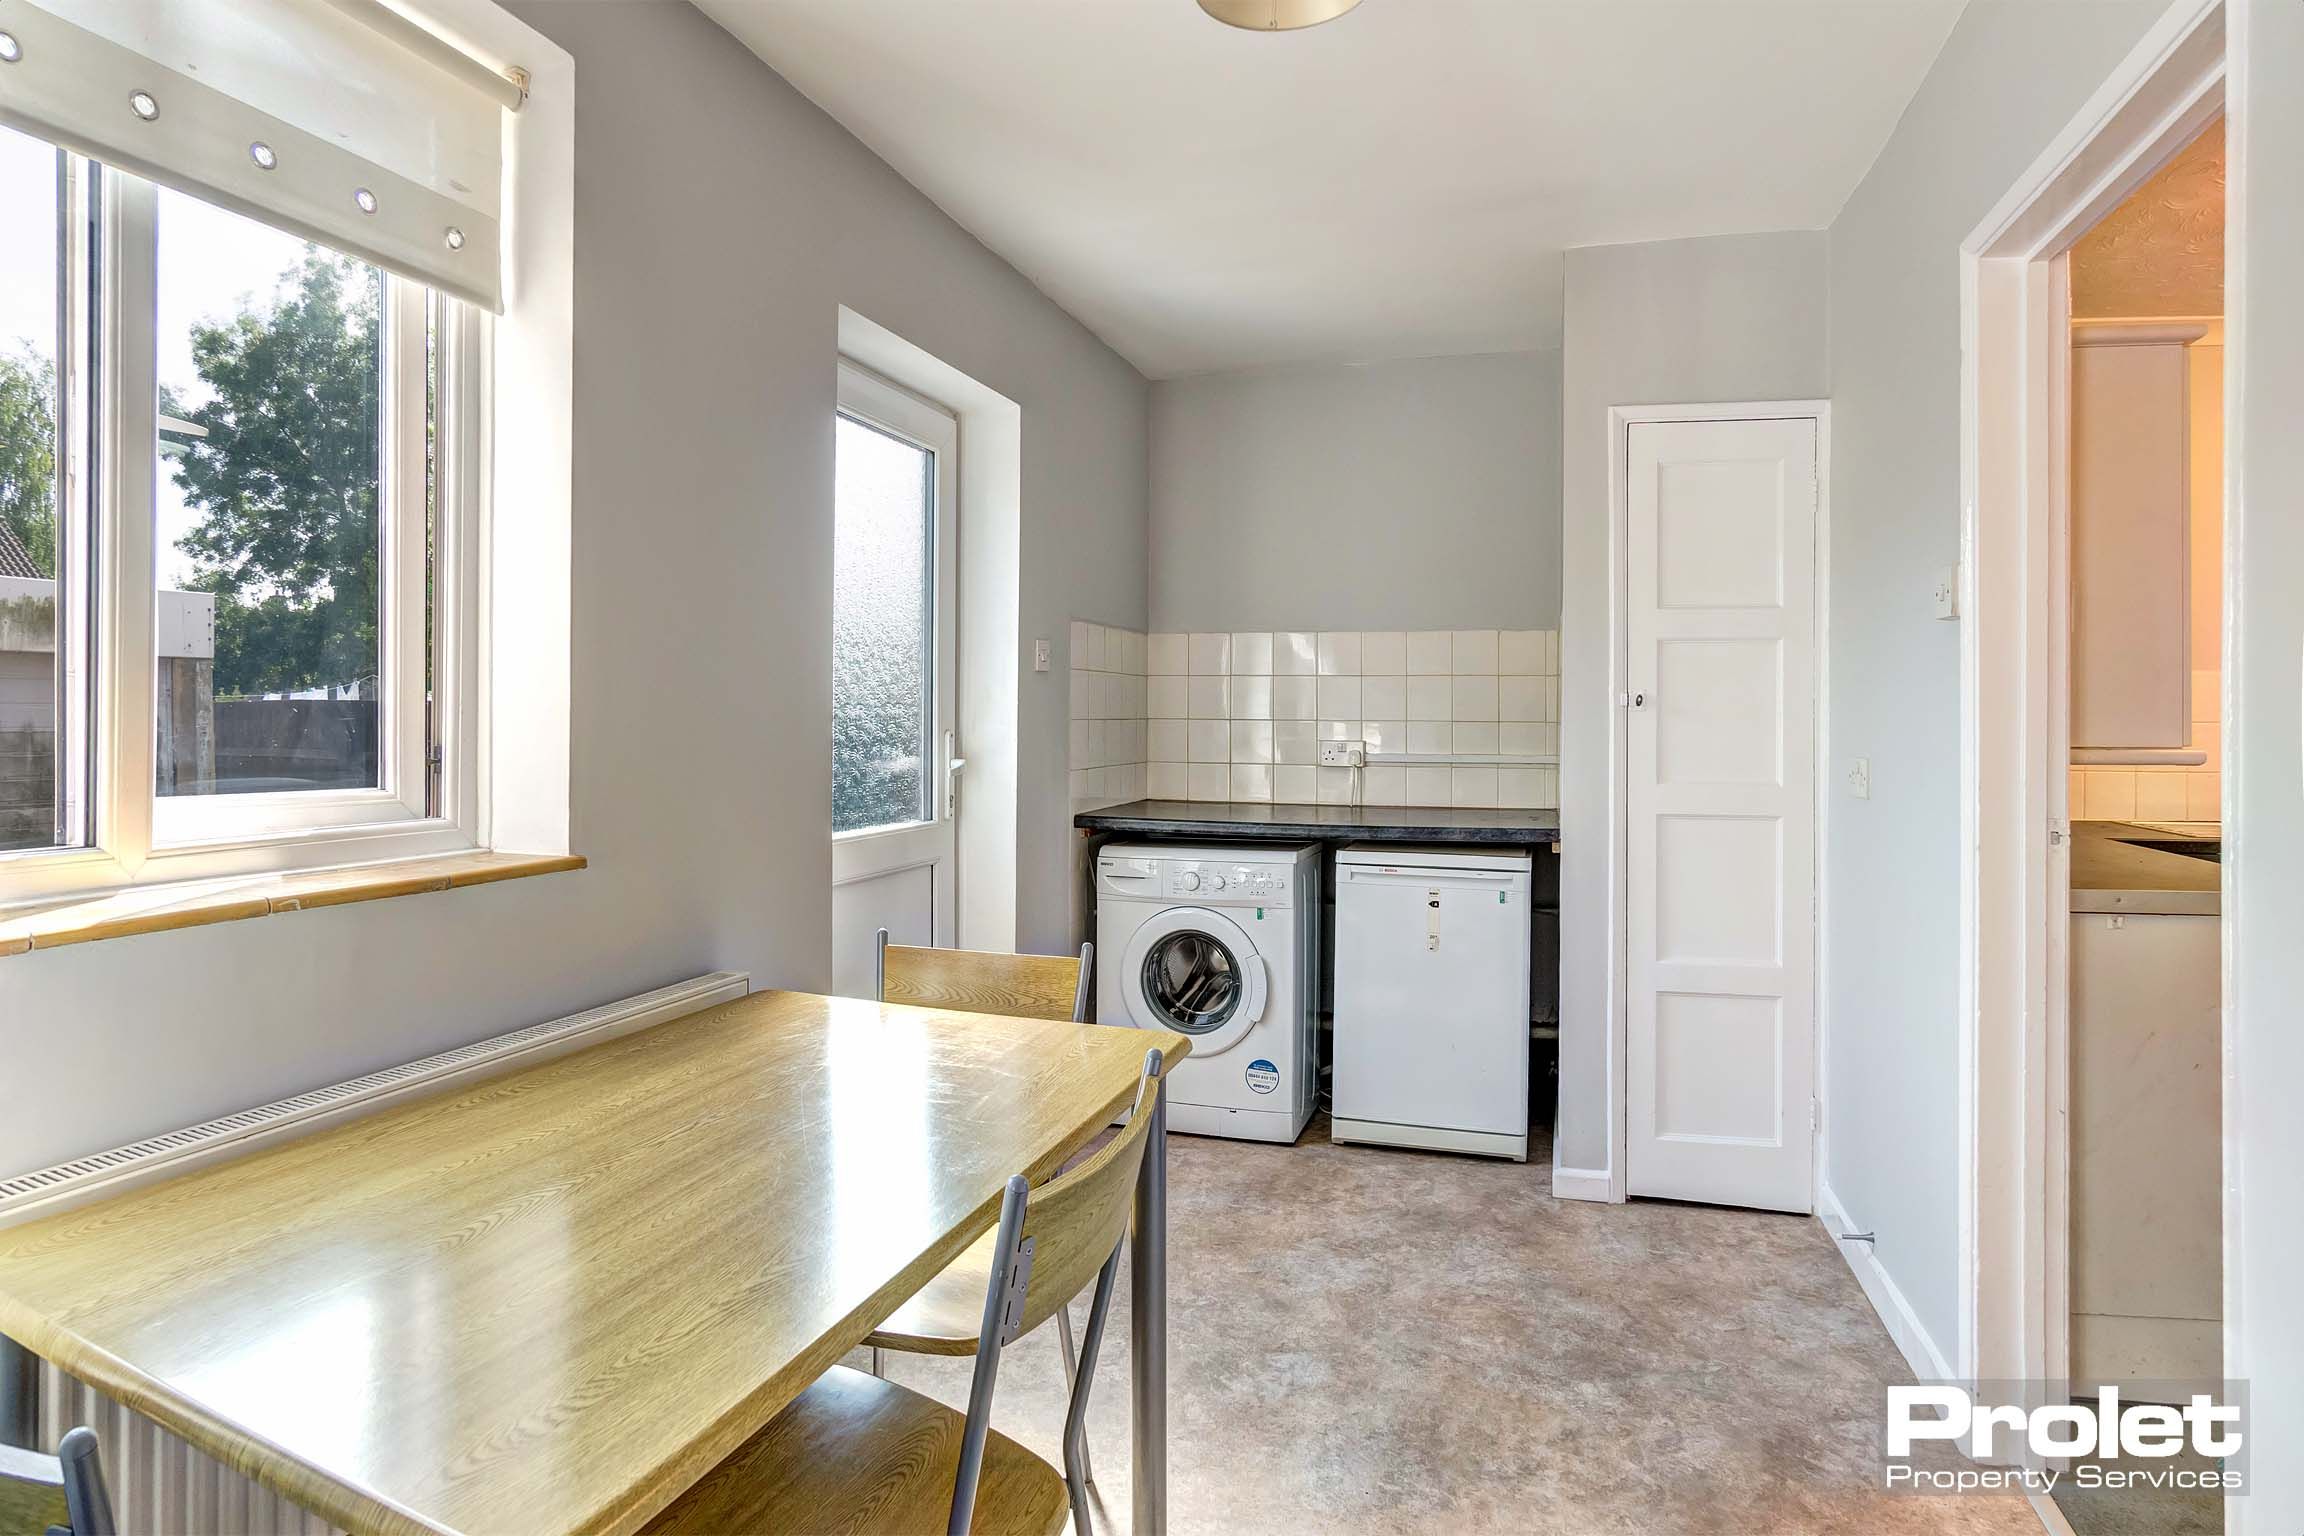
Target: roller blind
[(335, 119)]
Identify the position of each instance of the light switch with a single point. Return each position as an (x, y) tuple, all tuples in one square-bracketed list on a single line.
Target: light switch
[(1039, 655), (1860, 778)]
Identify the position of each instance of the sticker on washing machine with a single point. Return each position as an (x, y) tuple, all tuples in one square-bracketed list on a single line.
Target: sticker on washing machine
[(1263, 1077)]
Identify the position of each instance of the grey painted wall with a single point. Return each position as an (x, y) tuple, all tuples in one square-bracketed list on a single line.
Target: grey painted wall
[(2010, 77), (1674, 322), (1407, 495), (721, 220)]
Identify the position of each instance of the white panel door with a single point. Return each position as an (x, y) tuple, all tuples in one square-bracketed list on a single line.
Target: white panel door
[(1719, 798)]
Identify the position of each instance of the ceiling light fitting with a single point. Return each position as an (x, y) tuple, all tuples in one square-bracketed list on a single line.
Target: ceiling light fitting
[(1275, 15)]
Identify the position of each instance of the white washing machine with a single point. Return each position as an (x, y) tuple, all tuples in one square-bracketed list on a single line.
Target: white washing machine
[(1222, 945)]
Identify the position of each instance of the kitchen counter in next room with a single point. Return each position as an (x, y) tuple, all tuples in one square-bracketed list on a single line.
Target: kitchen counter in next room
[(2117, 868), (1241, 821)]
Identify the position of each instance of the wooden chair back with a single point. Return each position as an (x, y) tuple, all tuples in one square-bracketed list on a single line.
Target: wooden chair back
[(64, 1492), (974, 981), (31, 1492), (1076, 1220)]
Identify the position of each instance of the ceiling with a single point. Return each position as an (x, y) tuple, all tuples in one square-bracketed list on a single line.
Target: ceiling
[(1401, 182), (2160, 254)]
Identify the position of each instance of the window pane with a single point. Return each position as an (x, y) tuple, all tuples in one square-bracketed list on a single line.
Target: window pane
[(270, 369), (36, 809), (883, 636)]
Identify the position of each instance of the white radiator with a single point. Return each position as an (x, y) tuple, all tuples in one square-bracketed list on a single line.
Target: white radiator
[(159, 1484)]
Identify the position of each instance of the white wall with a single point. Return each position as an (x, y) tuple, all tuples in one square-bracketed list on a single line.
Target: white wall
[(2010, 76), (2264, 1069), (721, 221), (1673, 322), (1422, 494)]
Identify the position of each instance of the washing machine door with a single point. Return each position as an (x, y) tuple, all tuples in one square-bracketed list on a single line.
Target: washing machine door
[(1195, 971)]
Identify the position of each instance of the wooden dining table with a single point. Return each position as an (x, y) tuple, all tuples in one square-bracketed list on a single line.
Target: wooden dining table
[(552, 1301)]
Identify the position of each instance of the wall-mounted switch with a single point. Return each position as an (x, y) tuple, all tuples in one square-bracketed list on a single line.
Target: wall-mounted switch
[(1947, 594), (1860, 778), (1343, 754), (1039, 655)]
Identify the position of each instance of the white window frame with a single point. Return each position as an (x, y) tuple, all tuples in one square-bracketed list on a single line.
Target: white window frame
[(890, 408), (136, 837)]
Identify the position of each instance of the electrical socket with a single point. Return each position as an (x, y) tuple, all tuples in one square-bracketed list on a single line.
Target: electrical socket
[(1343, 754), (1860, 778)]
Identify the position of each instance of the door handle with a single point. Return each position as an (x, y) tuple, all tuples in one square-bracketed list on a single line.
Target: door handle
[(953, 763)]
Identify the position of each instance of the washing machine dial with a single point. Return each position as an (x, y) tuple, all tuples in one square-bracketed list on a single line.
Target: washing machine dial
[(1188, 881), (1215, 882)]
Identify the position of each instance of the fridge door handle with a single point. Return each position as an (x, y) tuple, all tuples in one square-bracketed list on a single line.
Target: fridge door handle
[(1431, 879)]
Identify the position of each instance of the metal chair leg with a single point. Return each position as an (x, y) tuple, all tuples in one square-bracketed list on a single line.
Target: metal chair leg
[(1071, 1380), (1009, 1249), (19, 1395), (1076, 1477)]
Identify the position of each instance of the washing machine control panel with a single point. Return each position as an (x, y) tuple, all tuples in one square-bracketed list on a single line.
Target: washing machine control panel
[(1196, 881), (1246, 884)]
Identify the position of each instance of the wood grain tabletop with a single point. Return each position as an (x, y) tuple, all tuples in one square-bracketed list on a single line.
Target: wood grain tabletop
[(551, 1302)]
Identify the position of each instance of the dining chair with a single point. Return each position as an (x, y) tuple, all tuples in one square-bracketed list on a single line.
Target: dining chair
[(62, 1495), (857, 1454), (1013, 986), (978, 981)]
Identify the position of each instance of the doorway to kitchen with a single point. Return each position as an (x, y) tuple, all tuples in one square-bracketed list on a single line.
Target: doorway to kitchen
[(895, 654), (2143, 971), (2093, 609)]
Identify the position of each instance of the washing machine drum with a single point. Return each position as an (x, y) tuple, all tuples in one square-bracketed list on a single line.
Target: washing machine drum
[(1197, 972)]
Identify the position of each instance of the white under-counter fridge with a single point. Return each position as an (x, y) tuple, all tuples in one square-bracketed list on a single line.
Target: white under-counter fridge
[(1431, 1015)]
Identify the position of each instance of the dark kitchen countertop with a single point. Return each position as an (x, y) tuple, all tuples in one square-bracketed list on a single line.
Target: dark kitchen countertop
[(1297, 823)]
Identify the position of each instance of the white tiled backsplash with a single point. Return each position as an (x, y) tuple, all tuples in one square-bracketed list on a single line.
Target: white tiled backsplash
[(1107, 751), (2100, 793), (1240, 716)]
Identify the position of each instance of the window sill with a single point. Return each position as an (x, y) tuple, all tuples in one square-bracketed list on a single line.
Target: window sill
[(195, 903)]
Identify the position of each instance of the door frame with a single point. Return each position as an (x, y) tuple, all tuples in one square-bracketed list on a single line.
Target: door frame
[(1621, 420), (2015, 1318), (870, 853)]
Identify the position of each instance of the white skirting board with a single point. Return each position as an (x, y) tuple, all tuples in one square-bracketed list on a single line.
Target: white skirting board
[(158, 1482), (1928, 1363), (1582, 1184)]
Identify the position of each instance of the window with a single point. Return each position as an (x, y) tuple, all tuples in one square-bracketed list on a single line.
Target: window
[(43, 716), (893, 569), (273, 554), (269, 483), (261, 379), (883, 627), (894, 644)]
